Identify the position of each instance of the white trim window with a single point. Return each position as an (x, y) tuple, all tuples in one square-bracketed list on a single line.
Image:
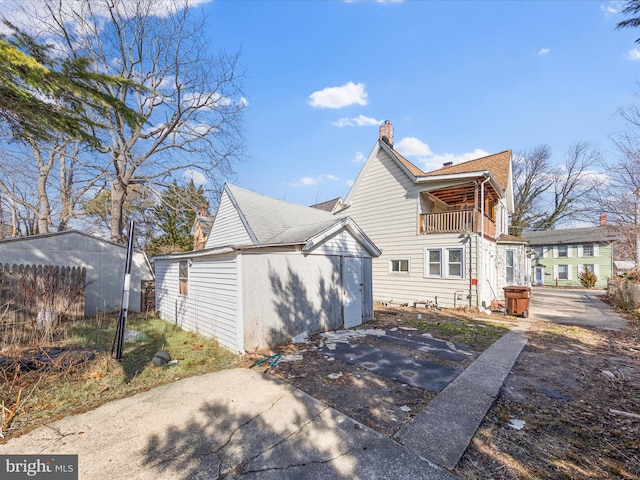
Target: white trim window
[(563, 272), (510, 266), (447, 262), (399, 265), (183, 277)]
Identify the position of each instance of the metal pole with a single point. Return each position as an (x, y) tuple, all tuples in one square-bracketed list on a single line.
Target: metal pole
[(118, 340)]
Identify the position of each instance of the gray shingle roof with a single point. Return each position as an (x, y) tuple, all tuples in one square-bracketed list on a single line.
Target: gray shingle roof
[(570, 236), (275, 221)]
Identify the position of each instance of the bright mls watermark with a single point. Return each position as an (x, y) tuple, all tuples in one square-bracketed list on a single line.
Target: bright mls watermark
[(49, 467)]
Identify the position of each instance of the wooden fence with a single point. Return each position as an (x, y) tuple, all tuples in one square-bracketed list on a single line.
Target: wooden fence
[(30, 293)]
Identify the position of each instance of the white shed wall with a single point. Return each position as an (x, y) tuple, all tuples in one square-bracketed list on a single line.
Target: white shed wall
[(286, 293), (212, 305), (104, 261)]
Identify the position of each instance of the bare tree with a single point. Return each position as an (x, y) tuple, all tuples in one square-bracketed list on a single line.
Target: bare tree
[(194, 104), (546, 195)]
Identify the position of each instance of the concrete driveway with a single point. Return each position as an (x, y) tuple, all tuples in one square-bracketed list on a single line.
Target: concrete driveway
[(579, 307)]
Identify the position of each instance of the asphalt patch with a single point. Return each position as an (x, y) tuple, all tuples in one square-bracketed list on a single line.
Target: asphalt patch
[(433, 346), (428, 376)]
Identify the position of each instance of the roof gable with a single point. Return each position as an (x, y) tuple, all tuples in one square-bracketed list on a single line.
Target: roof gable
[(499, 164), (267, 218)]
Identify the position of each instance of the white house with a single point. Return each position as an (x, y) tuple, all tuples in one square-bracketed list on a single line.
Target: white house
[(443, 234), (103, 259), (270, 270)]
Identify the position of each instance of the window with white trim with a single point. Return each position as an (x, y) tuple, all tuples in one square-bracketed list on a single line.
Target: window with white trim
[(399, 265), (434, 263), (563, 251), (183, 277), (563, 272), (587, 250), (444, 262), (454, 263), (539, 251), (510, 267)]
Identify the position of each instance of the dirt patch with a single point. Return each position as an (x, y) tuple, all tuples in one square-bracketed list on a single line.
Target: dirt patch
[(380, 402), (578, 392)]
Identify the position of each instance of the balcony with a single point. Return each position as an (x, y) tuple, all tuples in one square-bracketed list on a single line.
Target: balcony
[(459, 221)]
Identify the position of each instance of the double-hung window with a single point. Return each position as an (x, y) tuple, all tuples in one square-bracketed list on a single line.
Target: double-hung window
[(563, 272), (510, 267), (587, 250), (444, 262), (563, 251)]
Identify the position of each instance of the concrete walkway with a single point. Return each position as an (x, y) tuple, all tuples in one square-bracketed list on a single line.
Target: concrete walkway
[(231, 424), (442, 431)]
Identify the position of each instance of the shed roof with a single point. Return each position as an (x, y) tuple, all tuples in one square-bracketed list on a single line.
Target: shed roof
[(267, 217), (571, 236), (276, 222)]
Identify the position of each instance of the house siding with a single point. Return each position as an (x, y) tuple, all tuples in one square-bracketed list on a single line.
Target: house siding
[(341, 244), (385, 203), (211, 306), (227, 228), (574, 260)]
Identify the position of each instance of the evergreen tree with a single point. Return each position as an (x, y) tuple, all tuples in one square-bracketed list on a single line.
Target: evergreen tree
[(174, 217)]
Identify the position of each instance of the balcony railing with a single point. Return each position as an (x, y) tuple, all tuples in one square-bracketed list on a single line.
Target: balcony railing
[(456, 222)]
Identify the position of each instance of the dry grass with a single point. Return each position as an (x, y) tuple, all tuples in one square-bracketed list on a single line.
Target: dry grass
[(70, 384)]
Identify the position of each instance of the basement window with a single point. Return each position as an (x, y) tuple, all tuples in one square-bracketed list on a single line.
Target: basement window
[(399, 265), (183, 277)]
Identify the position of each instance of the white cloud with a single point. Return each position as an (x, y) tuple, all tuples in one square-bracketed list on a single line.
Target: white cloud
[(633, 55), (421, 154), (310, 181), (436, 161), (339, 97), (411, 146), (197, 177), (544, 51), (359, 121), (611, 8), (359, 158)]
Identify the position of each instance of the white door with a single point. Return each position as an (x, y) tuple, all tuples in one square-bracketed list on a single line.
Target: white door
[(538, 273), (352, 291)]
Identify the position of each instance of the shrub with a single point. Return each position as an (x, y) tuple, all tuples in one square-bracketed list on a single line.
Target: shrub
[(587, 278)]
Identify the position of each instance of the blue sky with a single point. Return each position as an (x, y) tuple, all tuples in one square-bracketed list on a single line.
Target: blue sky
[(458, 80), (455, 78)]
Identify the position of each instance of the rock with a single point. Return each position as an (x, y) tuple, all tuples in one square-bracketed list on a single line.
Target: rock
[(517, 424), (161, 358), (334, 376)]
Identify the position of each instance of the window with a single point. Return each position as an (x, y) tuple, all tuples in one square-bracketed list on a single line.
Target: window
[(587, 250), (183, 277), (539, 252), (454, 265), (563, 272), (445, 262), (562, 251), (588, 267), (399, 265), (509, 267), (434, 263)]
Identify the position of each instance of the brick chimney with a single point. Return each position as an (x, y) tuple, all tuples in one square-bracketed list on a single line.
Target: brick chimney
[(386, 133), (603, 220)]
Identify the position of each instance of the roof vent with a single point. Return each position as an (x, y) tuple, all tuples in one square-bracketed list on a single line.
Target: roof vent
[(447, 164)]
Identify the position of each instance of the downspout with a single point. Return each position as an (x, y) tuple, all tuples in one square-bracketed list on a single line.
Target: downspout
[(481, 279)]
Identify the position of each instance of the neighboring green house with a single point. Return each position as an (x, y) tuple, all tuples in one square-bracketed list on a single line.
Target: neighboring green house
[(561, 255)]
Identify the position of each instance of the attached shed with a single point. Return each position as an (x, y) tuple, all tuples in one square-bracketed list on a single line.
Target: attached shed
[(103, 259), (270, 271)]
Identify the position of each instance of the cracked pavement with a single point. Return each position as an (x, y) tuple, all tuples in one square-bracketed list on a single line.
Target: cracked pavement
[(232, 424)]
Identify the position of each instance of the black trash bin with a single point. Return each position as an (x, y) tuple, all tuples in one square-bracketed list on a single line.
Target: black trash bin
[(517, 300)]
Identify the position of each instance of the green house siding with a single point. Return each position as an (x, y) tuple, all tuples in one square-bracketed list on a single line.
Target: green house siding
[(555, 266)]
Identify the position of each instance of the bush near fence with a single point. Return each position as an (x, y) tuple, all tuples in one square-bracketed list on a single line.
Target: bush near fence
[(33, 296)]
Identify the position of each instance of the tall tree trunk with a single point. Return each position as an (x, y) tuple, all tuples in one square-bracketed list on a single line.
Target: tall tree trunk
[(118, 197)]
